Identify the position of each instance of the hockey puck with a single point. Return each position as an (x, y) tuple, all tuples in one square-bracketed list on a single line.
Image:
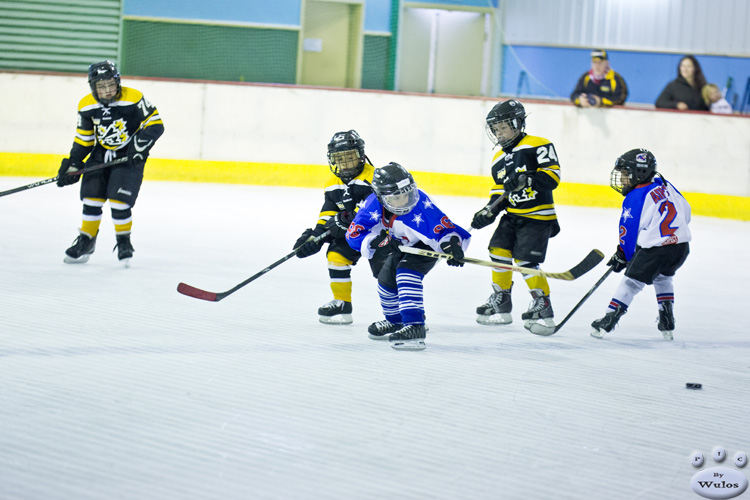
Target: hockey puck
[(691, 385)]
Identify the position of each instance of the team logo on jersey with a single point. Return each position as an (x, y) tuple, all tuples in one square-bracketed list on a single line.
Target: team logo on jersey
[(114, 135)]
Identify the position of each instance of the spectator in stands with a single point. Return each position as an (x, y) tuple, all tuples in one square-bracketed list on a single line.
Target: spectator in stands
[(714, 99), (684, 92), (600, 86)]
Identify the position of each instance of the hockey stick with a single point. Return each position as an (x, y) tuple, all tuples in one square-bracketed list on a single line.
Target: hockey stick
[(54, 179), (197, 293), (546, 331), (488, 210), (586, 265)]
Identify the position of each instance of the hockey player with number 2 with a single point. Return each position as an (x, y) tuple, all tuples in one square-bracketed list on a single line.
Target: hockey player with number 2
[(654, 236), (113, 122), (398, 213)]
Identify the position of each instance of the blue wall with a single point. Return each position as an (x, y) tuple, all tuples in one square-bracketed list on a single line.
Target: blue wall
[(553, 72), (243, 11)]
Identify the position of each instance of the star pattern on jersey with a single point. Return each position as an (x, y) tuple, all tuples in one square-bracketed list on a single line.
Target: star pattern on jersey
[(417, 219), (428, 203), (374, 215), (626, 214)]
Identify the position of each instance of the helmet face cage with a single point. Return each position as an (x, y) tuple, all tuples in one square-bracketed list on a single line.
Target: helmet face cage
[(632, 168), (346, 155), (102, 71), (395, 188), (510, 113)]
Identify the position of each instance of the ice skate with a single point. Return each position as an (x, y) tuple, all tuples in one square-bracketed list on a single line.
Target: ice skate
[(409, 338), (605, 325), (540, 314), (82, 248), (666, 320), (496, 311), (381, 330), (124, 249), (336, 312)]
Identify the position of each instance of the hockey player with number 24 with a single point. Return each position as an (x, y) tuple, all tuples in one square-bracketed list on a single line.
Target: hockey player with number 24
[(525, 172), (398, 213), (654, 236), (114, 122), (345, 191)]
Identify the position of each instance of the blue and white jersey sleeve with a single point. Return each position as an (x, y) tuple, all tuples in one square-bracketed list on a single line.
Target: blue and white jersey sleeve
[(654, 215), (426, 223)]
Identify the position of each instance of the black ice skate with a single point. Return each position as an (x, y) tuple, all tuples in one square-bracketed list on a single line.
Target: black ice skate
[(82, 248), (666, 320), (496, 311), (124, 249), (605, 325), (409, 338), (540, 309), (381, 330), (336, 312)]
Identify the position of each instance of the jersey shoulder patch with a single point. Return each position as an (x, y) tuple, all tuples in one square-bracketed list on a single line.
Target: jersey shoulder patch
[(87, 102), (533, 141), (130, 96)]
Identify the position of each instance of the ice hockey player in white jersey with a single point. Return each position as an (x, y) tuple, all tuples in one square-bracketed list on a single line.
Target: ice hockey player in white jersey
[(398, 213), (654, 236)]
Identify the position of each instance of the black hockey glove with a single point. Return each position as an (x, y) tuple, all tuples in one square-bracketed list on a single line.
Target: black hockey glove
[(138, 150), (383, 241), (338, 225), (66, 167), (487, 215), (453, 247), (515, 182), (307, 248), (618, 262)]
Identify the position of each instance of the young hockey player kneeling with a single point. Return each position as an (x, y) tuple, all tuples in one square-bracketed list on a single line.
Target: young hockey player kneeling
[(654, 238), (396, 214)]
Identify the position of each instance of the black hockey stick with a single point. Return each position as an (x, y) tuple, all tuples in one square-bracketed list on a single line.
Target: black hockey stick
[(197, 293), (54, 179), (586, 265), (545, 331), (488, 209)]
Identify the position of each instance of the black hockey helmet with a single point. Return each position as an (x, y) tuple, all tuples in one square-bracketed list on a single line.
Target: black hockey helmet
[(510, 112), (395, 188), (100, 71), (632, 168), (346, 155)]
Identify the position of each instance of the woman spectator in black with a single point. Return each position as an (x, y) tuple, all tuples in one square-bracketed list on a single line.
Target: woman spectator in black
[(684, 92)]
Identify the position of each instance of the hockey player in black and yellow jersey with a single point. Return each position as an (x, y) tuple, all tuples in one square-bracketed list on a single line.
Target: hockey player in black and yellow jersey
[(345, 191), (525, 172), (113, 122)]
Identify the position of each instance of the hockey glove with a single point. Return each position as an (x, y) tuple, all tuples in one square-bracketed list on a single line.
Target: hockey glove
[(383, 241), (515, 182), (307, 248), (338, 225), (618, 262), (453, 247), (487, 215), (138, 150), (68, 167)]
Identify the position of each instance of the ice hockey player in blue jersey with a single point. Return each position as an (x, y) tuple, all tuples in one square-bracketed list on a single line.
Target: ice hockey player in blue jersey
[(654, 236), (398, 213), (346, 189)]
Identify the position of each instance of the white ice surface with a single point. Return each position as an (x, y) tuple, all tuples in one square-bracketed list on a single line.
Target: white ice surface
[(113, 385)]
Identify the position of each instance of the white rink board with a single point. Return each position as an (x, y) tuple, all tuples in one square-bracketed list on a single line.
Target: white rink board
[(278, 124), (112, 385)]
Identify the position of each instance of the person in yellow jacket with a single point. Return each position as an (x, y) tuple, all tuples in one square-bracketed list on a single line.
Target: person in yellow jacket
[(600, 86)]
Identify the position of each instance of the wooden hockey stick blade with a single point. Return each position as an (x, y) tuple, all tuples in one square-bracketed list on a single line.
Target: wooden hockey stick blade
[(198, 293), (586, 265), (546, 331)]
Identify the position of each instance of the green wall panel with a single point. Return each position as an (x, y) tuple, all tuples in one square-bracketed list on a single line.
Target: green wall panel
[(208, 52), (375, 65)]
